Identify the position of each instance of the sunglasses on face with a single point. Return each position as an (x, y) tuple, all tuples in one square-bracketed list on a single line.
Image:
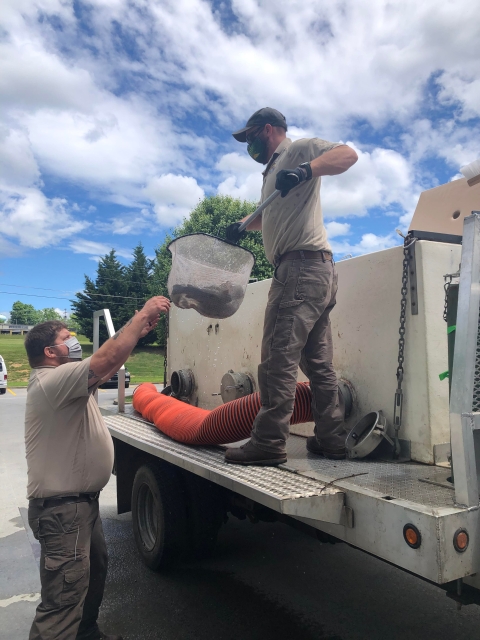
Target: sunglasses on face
[(254, 134)]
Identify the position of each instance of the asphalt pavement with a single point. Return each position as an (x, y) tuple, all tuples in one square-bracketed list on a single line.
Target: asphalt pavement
[(265, 581)]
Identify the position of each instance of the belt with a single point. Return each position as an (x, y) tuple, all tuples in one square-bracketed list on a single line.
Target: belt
[(56, 501), (324, 256)]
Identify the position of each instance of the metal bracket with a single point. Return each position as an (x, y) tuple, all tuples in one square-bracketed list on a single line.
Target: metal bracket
[(105, 313), (473, 418), (442, 454), (412, 275), (328, 507)]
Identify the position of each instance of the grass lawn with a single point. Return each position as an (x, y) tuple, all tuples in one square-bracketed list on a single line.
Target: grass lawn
[(145, 364)]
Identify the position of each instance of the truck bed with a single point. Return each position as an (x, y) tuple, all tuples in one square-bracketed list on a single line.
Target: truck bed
[(365, 503)]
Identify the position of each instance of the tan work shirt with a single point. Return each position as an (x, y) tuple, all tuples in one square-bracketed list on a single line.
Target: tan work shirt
[(68, 447), (296, 221)]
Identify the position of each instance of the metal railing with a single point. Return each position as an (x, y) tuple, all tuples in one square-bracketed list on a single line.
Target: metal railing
[(105, 313), (465, 390)]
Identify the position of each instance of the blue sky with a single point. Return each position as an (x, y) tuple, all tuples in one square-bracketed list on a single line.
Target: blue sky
[(115, 118)]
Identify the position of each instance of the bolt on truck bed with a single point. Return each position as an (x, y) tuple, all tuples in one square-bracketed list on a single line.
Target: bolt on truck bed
[(364, 503)]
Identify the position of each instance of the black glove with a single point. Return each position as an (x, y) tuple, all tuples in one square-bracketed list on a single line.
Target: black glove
[(289, 178), (232, 234)]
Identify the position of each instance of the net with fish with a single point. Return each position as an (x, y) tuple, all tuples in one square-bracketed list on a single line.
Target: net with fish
[(208, 274)]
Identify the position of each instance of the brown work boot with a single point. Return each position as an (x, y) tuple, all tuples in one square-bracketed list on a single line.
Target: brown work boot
[(333, 454), (248, 453)]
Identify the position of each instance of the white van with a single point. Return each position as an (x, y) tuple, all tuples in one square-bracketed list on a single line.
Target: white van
[(3, 376)]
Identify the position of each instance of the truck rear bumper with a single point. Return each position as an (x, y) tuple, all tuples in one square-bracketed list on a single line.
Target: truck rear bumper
[(366, 504)]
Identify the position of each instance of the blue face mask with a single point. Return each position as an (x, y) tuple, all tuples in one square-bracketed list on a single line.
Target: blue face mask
[(74, 349)]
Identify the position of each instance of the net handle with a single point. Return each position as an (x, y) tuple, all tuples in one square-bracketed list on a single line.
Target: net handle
[(258, 211)]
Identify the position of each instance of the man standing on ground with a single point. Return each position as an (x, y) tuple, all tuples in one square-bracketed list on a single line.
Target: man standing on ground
[(70, 458), (297, 324)]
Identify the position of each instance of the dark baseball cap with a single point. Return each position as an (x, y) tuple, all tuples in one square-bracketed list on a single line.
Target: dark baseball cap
[(260, 118)]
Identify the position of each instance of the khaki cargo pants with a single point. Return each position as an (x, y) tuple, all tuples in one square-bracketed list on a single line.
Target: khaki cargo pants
[(297, 333), (73, 568)]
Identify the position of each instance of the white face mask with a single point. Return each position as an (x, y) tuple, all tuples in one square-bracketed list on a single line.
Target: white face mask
[(74, 349)]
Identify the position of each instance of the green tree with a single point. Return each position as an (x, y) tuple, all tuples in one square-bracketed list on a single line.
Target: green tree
[(139, 285), (212, 215), (22, 313), (109, 291), (49, 313)]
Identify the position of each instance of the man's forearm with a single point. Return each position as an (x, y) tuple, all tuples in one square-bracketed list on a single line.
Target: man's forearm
[(333, 162), (115, 351), (256, 225)]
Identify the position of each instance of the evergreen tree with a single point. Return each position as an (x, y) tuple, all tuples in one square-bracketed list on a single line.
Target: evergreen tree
[(109, 291), (139, 284)]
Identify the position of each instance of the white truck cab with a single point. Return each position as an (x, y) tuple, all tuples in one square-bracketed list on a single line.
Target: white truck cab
[(3, 376)]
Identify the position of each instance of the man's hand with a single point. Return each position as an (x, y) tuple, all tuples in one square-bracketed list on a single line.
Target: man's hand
[(152, 309), (114, 352), (150, 324), (232, 234), (155, 306), (288, 178)]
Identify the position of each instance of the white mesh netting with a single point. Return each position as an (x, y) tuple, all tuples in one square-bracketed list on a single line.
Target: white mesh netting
[(208, 275)]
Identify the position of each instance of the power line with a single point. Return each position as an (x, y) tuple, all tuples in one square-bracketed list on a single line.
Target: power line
[(22, 286), (102, 295), (73, 293), (33, 295)]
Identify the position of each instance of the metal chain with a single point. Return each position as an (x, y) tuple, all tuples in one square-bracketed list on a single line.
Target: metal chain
[(446, 287), (398, 408)]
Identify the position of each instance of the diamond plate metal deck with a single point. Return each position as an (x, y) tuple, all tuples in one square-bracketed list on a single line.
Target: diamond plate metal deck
[(272, 480), (405, 481), (304, 475)]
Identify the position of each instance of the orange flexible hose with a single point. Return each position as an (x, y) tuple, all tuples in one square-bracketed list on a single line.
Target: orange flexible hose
[(230, 422)]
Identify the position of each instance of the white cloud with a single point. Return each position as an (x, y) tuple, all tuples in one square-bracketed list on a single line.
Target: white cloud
[(18, 166), (361, 61), (36, 221), (173, 197), (241, 178), (131, 222), (77, 107), (295, 133), (98, 249), (369, 243), (8, 249), (335, 229), (455, 143), (114, 148), (380, 178), (240, 165)]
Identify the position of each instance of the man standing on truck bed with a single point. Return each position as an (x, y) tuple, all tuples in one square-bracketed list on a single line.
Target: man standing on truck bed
[(297, 325), (70, 458)]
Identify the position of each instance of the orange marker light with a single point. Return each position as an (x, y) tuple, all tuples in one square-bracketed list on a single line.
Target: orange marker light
[(461, 540), (412, 536)]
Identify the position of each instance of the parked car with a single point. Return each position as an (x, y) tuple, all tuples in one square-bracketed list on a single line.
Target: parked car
[(3, 376), (113, 382)]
